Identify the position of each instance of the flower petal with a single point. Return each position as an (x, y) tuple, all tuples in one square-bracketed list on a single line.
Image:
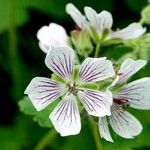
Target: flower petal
[(137, 93), (76, 15), (43, 91), (134, 30), (60, 60), (43, 47), (95, 69), (66, 117), (124, 124), (100, 21), (128, 68), (95, 102), (52, 35), (104, 130)]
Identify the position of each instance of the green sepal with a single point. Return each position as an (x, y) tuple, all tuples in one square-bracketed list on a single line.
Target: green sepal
[(140, 46), (76, 72), (82, 42), (92, 86), (144, 46), (115, 89), (111, 42), (103, 85), (41, 117), (94, 34), (105, 34), (146, 15), (57, 78)]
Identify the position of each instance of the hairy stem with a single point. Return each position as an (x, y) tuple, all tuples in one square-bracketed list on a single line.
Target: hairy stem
[(97, 50), (95, 133), (46, 140)]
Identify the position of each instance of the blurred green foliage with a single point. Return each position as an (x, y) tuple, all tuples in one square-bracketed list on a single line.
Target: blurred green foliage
[(24, 134)]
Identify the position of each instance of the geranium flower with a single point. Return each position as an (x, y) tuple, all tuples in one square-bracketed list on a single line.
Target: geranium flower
[(135, 94), (52, 35), (43, 91), (102, 21)]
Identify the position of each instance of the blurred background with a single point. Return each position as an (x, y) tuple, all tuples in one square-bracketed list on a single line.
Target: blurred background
[(21, 60)]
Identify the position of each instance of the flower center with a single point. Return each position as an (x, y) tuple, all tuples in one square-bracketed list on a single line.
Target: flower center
[(72, 88), (122, 103)]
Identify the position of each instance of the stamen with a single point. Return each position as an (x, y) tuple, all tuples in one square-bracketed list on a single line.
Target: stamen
[(72, 89), (119, 73), (122, 103), (77, 28)]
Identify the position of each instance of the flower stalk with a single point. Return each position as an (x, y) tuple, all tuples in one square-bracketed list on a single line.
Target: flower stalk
[(95, 133), (97, 50), (46, 140)]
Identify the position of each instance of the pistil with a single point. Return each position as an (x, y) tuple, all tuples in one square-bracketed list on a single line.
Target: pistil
[(72, 89)]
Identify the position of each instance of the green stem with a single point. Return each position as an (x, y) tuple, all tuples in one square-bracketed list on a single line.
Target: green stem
[(141, 21), (96, 136), (45, 141), (97, 50), (13, 53)]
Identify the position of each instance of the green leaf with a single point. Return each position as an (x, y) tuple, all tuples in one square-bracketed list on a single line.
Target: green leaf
[(42, 117), (26, 106), (21, 135), (57, 78)]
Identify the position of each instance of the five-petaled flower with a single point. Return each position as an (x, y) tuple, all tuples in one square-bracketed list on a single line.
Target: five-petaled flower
[(135, 94), (103, 21), (43, 91)]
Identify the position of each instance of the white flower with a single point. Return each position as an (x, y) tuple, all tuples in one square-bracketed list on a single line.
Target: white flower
[(52, 35), (101, 21), (135, 94), (43, 91)]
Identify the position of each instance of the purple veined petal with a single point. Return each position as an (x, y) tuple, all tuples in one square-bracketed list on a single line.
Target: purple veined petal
[(137, 93), (128, 68), (66, 117), (132, 31), (104, 129), (124, 124), (61, 60), (96, 103), (100, 21), (95, 69), (52, 35), (76, 15), (43, 91)]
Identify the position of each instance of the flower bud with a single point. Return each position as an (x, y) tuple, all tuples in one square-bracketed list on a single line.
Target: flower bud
[(146, 15), (82, 42)]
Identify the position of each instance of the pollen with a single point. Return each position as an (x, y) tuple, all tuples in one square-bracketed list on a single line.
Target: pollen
[(72, 88)]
